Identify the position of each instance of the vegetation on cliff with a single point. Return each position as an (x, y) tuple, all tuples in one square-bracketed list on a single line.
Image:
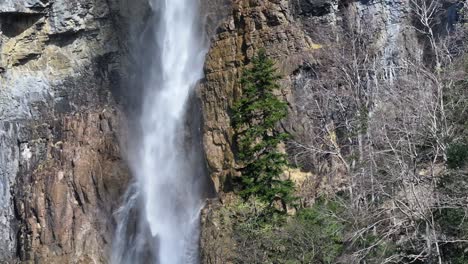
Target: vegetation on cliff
[(387, 151), (312, 235), (256, 115)]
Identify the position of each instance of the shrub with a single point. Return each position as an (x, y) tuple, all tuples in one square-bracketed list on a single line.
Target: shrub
[(457, 155), (314, 235), (453, 225)]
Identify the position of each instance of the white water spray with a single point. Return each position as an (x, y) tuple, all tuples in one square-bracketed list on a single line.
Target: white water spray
[(159, 221)]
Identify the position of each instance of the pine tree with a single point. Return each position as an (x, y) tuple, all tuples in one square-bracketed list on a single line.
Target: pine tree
[(256, 115)]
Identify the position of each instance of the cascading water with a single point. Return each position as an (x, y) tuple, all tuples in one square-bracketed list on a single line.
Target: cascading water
[(159, 221)]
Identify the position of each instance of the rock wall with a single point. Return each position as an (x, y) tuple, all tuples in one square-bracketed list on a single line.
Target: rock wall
[(251, 26), (295, 33), (63, 70), (61, 172)]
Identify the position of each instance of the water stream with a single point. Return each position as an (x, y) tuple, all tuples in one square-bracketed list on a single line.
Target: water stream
[(158, 223)]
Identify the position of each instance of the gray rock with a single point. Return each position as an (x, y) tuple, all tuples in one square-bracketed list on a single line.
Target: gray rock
[(53, 88), (23, 6), (9, 165), (19, 94)]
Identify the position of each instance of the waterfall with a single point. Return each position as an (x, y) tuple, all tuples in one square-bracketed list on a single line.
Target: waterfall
[(159, 220)]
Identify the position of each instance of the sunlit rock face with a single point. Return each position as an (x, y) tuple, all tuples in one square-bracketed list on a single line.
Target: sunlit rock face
[(64, 70), (251, 25), (23, 6), (64, 76), (61, 171), (294, 33)]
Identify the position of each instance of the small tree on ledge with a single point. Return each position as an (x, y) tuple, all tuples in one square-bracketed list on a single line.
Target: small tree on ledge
[(255, 116)]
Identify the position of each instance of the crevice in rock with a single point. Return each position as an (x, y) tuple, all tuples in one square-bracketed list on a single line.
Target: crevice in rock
[(67, 38), (314, 8), (13, 24), (77, 197), (26, 59)]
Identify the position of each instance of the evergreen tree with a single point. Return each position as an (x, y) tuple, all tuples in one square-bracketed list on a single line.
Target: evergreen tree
[(256, 115)]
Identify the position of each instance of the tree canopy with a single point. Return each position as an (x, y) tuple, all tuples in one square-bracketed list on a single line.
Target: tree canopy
[(256, 116)]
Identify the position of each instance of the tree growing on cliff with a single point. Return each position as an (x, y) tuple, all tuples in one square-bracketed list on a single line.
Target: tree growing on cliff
[(255, 117)]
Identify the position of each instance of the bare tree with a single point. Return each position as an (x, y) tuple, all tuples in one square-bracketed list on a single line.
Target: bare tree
[(388, 136)]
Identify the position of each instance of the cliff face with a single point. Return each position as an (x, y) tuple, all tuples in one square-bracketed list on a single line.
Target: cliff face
[(295, 34), (299, 35), (64, 69), (62, 73), (60, 165), (251, 26)]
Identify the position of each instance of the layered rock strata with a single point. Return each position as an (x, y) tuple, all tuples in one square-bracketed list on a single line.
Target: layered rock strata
[(61, 171)]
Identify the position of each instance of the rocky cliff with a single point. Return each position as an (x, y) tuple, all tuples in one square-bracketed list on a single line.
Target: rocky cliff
[(61, 171), (64, 70), (295, 34), (318, 45), (251, 26)]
